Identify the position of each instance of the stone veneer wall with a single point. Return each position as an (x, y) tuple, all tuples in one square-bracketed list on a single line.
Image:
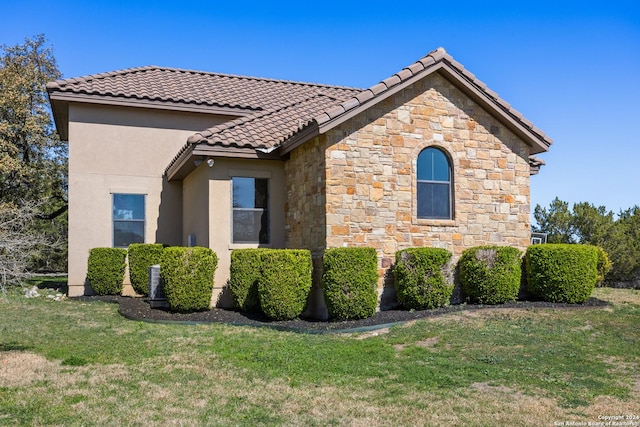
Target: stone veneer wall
[(305, 207), (370, 173), (305, 219)]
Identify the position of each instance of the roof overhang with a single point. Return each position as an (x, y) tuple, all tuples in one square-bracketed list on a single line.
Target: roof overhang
[(193, 154), (60, 107)]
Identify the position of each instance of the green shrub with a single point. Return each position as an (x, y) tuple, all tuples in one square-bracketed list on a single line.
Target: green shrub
[(105, 270), (604, 265), (561, 272), (284, 282), (141, 257), (420, 278), (243, 280), (350, 281), (187, 277), (491, 274)]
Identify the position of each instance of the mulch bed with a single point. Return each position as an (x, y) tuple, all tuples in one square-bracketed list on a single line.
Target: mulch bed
[(139, 309)]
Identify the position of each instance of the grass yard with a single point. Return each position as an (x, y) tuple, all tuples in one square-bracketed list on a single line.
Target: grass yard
[(78, 363)]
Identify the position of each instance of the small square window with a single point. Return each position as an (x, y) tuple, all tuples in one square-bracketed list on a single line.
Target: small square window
[(128, 219)]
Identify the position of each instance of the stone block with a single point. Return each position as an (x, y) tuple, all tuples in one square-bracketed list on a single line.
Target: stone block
[(404, 116), (340, 230), (376, 194)]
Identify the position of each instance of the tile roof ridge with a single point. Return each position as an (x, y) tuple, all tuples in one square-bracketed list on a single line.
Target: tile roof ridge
[(207, 133), (264, 79), (58, 84)]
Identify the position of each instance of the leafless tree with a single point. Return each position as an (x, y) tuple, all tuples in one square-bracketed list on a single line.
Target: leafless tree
[(18, 241)]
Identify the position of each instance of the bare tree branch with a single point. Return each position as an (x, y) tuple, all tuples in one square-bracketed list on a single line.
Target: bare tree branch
[(18, 241)]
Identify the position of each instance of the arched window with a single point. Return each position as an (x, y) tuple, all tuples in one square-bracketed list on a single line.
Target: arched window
[(434, 184)]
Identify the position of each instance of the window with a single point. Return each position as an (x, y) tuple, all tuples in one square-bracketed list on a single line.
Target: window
[(250, 216), (128, 219), (434, 184)]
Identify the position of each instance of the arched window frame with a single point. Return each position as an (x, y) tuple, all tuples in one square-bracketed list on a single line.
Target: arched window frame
[(438, 186)]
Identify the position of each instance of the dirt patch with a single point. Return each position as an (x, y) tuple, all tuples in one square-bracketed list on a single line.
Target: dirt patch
[(487, 387), (371, 334), (428, 343), (618, 296), (21, 369)]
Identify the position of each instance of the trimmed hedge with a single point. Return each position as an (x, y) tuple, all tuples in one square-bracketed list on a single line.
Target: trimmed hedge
[(491, 274), (187, 277), (105, 270), (562, 272), (419, 280), (245, 271), (141, 257), (284, 282), (350, 281)]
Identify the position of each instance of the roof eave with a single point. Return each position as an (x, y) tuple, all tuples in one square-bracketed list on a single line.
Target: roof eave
[(537, 143), (185, 163), (311, 131), (60, 111), (146, 103)]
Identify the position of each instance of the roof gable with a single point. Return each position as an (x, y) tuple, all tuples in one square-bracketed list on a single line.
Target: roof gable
[(437, 61)]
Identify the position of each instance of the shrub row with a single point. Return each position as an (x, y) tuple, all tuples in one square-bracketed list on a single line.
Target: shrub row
[(186, 273), (277, 281), (493, 274)]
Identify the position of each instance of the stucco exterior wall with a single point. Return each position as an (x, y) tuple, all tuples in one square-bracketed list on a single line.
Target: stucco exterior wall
[(364, 172), (207, 211), (122, 150)]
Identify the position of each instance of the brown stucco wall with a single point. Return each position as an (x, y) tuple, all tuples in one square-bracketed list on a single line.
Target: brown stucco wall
[(370, 174), (122, 150), (207, 212)]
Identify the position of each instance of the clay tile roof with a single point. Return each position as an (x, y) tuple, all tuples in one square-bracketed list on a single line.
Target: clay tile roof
[(172, 85), (266, 129), (535, 163)]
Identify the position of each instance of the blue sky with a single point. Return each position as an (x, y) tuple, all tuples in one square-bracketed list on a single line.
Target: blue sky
[(571, 67)]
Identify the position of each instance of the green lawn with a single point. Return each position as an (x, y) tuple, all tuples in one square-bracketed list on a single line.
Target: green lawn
[(79, 363)]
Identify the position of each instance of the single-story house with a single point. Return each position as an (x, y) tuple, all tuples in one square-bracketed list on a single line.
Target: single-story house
[(430, 156)]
